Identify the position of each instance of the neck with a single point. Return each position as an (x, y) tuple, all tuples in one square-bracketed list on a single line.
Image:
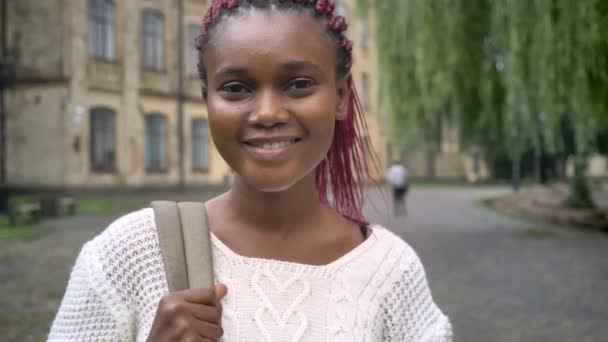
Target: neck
[(276, 211)]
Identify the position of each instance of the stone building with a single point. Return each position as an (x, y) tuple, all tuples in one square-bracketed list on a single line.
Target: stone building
[(106, 94)]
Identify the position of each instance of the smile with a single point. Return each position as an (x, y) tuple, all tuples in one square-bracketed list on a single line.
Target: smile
[(272, 150), (272, 145)]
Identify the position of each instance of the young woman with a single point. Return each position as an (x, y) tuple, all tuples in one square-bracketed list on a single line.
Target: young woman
[(291, 264)]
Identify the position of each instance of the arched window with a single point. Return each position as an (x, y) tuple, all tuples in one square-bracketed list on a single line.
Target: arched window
[(101, 28), (102, 143), (155, 142), (152, 39), (200, 145)]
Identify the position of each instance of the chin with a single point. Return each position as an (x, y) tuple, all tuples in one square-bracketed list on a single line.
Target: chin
[(272, 181), (272, 184)]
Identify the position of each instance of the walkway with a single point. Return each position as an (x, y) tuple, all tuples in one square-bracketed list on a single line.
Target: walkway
[(506, 279), (498, 278)]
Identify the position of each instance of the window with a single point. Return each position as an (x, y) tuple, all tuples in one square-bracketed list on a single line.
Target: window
[(102, 139), (365, 95), (101, 28), (200, 145), (155, 142), (152, 40), (191, 53)]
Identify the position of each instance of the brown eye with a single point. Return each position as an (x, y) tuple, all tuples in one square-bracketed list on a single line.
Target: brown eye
[(300, 84), (235, 88)]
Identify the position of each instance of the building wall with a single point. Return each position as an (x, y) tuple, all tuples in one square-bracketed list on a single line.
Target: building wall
[(50, 114), (597, 167), (36, 101), (37, 40), (133, 91), (366, 62), (36, 142)]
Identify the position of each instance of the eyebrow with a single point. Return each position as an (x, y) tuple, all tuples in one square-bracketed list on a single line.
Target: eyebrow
[(290, 66), (298, 65)]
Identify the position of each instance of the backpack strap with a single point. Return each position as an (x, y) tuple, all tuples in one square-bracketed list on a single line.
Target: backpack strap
[(197, 242), (185, 244)]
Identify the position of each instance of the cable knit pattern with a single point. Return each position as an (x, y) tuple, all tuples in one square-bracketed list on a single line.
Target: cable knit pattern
[(376, 292)]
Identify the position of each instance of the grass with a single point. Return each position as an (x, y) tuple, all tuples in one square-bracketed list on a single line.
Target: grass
[(107, 205), (21, 232), (443, 183), (25, 229), (537, 233)]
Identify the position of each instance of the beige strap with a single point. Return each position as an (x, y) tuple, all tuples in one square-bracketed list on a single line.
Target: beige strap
[(197, 244), (185, 243), (169, 230)]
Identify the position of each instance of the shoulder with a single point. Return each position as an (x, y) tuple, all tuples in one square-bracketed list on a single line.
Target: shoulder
[(127, 253), (399, 267), (408, 305), (383, 260), (396, 249), (127, 233)]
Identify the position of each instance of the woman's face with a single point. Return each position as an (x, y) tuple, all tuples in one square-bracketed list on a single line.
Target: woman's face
[(272, 95)]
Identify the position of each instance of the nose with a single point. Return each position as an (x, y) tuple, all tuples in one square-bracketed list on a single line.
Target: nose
[(270, 111)]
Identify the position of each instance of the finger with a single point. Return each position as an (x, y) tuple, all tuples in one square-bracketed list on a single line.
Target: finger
[(199, 296), (221, 291), (209, 330), (208, 313)]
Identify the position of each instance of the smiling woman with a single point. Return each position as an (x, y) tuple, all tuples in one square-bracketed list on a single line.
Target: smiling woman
[(291, 101), (291, 265)]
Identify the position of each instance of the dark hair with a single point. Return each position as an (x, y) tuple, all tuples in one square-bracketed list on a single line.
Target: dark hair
[(320, 9), (345, 167)]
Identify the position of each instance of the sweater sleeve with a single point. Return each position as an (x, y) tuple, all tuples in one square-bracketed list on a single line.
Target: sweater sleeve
[(408, 310), (90, 309)]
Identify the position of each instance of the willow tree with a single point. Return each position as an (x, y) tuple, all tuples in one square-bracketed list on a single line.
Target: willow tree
[(506, 72), (417, 79)]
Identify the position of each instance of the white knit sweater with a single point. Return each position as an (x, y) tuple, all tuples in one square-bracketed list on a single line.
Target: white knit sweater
[(376, 292)]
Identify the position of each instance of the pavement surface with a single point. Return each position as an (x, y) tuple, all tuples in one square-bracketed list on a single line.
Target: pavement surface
[(501, 278), (498, 278)]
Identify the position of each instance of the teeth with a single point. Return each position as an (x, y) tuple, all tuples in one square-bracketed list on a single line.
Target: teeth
[(274, 145)]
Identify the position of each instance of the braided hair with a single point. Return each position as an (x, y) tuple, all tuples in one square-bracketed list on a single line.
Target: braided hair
[(341, 175)]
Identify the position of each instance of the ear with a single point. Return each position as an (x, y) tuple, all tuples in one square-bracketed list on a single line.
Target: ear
[(344, 86)]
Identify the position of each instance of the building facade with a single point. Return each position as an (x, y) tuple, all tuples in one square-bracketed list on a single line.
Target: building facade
[(106, 94)]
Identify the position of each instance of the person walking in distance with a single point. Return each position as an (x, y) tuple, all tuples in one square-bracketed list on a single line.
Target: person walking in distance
[(397, 178)]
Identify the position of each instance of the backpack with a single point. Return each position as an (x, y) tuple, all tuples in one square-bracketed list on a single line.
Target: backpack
[(185, 244)]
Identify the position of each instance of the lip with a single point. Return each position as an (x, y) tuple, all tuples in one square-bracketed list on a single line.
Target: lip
[(271, 155), (269, 139)]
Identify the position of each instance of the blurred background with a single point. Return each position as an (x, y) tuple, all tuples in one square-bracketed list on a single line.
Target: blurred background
[(497, 109)]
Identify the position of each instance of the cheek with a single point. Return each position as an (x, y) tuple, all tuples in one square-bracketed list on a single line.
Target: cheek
[(320, 116), (223, 126)]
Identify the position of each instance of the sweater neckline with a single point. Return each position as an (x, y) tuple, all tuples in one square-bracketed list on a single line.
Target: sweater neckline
[(296, 266)]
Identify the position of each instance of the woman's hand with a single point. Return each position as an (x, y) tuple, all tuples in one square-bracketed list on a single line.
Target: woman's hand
[(190, 315)]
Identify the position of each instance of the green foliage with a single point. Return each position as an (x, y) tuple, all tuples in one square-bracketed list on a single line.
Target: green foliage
[(505, 72)]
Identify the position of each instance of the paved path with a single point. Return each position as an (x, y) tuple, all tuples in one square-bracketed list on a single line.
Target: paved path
[(498, 278), (506, 279)]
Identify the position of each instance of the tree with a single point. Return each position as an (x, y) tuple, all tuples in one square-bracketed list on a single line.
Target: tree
[(506, 72)]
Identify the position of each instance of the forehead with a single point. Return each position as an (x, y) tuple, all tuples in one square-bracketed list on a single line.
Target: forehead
[(275, 35)]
